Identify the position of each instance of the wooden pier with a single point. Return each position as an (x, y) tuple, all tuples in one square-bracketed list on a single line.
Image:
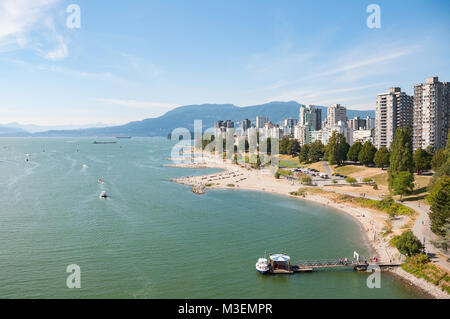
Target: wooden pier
[(310, 265), (281, 264)]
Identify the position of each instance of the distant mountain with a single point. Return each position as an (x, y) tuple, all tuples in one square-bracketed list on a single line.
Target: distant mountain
[(184, 116), (12, 131), (37, 128)]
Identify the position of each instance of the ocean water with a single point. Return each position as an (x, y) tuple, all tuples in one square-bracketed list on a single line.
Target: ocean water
[(153, 238)]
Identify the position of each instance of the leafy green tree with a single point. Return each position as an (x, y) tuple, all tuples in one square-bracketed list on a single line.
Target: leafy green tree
[(316, 151), (422, 160), (439, 200), (277, 174), (407, 243), (438, 159), (401, 159), (337, 148), (403, 184), (381, 158), (284, 144), (350, 180), (303, 155), (353, 152), (265, 144), (293, 147), (444, 168), (367, 153)]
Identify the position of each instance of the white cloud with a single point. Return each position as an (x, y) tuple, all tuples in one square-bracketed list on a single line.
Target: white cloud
[(30, 24), (60, 52)]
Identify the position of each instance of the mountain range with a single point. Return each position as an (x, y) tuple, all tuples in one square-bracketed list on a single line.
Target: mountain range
[(184, 116)]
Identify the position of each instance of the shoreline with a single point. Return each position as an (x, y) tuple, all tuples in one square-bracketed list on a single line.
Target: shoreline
[(241, 178)]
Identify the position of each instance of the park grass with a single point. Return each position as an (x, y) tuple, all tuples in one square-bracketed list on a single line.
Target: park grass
[(288, 161), (347, 170), (381, 179), (287, 164)]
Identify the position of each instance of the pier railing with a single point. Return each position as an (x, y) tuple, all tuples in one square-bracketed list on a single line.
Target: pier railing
[(326, 262)]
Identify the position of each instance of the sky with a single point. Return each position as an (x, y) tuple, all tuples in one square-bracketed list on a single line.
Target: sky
[(131, 60)]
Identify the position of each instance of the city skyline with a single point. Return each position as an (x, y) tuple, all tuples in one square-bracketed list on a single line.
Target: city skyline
[(142, 63)]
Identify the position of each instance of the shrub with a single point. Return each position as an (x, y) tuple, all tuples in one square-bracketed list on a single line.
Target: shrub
[(300, 192), (375, 186), (306, 180), (277, 175), (230, 185), (367, 180), (407, 243), (350, 180), (334, 181)]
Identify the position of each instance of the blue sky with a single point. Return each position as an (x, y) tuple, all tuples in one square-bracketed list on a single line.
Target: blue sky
[(132, 60)]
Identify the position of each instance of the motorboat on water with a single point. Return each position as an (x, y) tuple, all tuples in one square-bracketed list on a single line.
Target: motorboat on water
[(84, 166), (276, 264), (103, 195), (262, 266), (100, 181)]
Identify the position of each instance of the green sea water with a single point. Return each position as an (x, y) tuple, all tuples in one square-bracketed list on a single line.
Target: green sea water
[(156, 239)]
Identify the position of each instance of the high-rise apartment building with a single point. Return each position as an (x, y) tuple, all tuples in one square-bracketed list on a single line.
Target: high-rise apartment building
[(336, 113), (245, 125), (431, 114), (261, 121), (310, 115), (357, 124), (393, 110)]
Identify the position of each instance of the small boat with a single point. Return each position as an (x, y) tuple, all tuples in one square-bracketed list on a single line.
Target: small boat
[(123, 136), (84, 166), (95, 142), (103, 195), (100, 181), (262, 266)]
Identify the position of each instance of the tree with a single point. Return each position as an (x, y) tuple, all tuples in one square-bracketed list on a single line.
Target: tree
[(316, 151), (367, 153), (303, 155), (284, 143), (381, 158), (444, 168), (438, 159), (293, 147), (266, 145), (439, 200), (337, 148), (403, 184), (353, 152), (401, 159), (407, 243), (422, 160)]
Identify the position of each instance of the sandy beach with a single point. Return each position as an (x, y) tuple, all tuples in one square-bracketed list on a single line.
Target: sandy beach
[(241, 177)]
